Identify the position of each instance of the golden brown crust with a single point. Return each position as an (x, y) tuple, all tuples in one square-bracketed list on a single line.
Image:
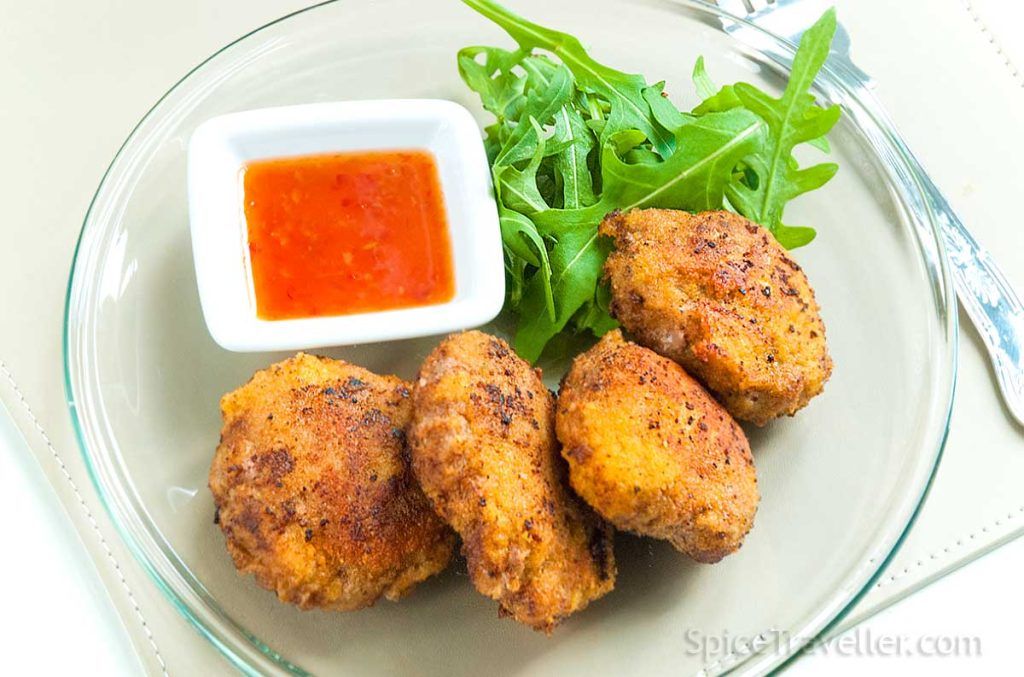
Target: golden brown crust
[(653, 453), (313, 488), (718, 294), (483, 448)]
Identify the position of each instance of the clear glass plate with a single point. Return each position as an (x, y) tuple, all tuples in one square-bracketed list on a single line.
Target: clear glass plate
[(841, 482)]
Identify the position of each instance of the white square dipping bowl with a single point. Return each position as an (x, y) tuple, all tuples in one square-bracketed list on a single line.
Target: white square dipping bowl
[(221, 147)]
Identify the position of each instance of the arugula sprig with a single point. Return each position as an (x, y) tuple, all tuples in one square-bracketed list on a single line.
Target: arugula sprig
[(573, 140), (772, 177)]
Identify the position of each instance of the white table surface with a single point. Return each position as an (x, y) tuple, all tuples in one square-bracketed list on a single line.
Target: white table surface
[(57, 594)]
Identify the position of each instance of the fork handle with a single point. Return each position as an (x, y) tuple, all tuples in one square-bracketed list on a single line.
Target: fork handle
[(983, 290), (986, 295)]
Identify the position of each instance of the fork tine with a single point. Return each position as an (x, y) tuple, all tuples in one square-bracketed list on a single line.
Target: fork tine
[(807, 7), (788, 19)]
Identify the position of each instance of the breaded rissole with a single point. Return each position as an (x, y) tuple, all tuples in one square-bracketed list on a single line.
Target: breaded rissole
[(483, 448), (313, 488), (652, 452), (718, 294)]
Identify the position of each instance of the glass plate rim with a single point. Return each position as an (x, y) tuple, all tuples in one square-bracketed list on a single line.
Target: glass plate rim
[(756, 659)]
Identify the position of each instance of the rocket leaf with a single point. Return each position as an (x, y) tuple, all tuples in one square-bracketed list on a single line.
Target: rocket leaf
[(792, 119), (573, 140)]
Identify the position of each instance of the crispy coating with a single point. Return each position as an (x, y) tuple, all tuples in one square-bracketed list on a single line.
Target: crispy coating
[(484, 450), (653, 453), (313, 488), (719, 295)]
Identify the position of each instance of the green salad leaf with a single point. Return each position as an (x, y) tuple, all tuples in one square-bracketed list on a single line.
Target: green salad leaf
[(772, 177), (571, 163), (573, 139), (624, 92)]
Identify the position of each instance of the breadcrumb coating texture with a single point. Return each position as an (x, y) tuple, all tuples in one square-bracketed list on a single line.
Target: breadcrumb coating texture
[(719, 295), (484, 450), (653, 453), (313, 488)]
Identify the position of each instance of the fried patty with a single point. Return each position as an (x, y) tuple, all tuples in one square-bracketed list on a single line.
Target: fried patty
[(313, 488), (653, 453), (484, 450), (718, 294)]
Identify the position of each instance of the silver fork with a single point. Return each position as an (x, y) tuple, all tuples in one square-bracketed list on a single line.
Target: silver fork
[(990, 301)]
